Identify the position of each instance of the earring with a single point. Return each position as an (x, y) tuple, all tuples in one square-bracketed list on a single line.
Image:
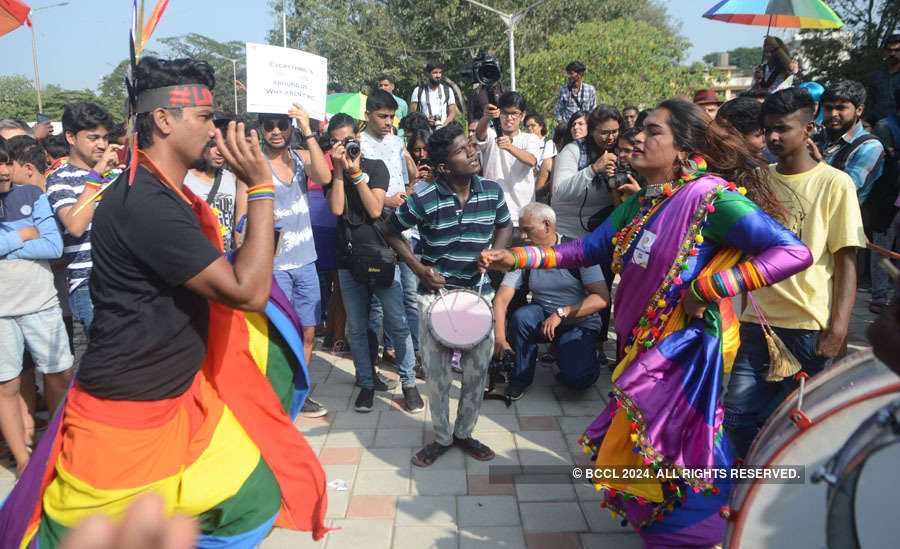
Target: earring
[(693, 168)]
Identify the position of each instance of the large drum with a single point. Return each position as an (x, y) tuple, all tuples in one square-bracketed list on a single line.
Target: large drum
[(807, 429), (460, 319), (863, 483)]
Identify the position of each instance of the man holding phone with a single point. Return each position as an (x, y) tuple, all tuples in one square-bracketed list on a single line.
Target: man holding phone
[(92, 163)]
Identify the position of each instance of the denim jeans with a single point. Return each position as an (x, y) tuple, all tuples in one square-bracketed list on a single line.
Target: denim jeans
[(750, 399), (881, 282), (576, 352), (82, 307), (356, 302)]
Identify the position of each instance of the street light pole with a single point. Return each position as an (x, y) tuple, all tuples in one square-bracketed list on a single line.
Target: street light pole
[(234, 73), (283, 23), (37, 76), (510, 19)]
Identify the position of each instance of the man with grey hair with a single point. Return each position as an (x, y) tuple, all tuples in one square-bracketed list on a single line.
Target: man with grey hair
[(564, 308), (11, 128)]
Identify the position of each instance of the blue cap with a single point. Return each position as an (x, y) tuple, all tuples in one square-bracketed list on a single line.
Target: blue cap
[(815, 90)]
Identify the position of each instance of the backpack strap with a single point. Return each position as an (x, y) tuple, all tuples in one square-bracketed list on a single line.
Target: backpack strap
[(840, 159)]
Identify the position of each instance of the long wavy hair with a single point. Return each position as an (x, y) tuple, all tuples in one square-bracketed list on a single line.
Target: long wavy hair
[(726, 153)]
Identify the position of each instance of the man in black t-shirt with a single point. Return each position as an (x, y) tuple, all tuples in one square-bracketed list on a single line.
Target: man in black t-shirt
[(356, 194), (171, 394)]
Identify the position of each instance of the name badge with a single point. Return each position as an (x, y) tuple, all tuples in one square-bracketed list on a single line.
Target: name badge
[(641, 255)]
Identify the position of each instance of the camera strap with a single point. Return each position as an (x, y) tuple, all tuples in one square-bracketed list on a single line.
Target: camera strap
[(215, 187)]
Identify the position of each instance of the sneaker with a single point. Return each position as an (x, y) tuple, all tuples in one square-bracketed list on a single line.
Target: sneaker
[(513, 392), (388, 357), (312, 409), (414, 402), (364, 400), (384, 384)]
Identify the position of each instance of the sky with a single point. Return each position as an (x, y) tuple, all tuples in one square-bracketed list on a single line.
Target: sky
[(80, 42)]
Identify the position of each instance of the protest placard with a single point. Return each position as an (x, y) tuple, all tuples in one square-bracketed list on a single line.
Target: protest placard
[(278, 77)]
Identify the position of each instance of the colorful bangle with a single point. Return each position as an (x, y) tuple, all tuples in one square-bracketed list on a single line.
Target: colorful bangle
[(357, 178), (534, 257), (743, 277), (261, 192), (694, 291), (363, 179)]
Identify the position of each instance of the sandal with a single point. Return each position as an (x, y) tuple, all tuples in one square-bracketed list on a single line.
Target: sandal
[(340, 346), (427, 455), (474, 448)]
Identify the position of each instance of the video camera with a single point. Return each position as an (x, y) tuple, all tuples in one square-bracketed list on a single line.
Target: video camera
[(484, 69)]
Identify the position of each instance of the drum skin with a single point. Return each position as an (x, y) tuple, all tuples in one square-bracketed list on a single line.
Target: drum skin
[(863, 483), (460, 319), (836, 402)]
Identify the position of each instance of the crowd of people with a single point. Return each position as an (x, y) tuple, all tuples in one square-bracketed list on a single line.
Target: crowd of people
[(353, 229)]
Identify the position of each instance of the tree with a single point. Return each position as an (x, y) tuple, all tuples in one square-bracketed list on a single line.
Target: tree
[(745, 59), (17, 97), (364, 38), (218, 54), (641, 72), (854, 53)]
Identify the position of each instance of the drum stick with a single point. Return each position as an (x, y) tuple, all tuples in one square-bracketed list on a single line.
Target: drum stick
[(444, 301), (481, 280)]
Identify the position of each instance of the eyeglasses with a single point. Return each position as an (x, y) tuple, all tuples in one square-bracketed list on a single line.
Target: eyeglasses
[(270, 123), (532, 125), (607, 133), (514, 114)]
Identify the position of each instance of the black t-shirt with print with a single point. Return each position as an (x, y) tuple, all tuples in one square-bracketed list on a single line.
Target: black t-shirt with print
[(148, 337), (363, 231)]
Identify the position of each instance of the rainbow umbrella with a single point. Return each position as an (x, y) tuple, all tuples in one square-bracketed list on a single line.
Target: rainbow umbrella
[(353, 104), (13, 14), (799, 14)]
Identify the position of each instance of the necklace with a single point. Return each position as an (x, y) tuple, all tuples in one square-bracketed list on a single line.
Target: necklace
[(649, 204)]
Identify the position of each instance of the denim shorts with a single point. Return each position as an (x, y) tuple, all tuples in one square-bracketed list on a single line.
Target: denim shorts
[(44, 335), (301, 286)]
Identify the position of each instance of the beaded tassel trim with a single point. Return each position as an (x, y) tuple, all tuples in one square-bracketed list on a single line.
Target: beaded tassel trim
[(674, 491)]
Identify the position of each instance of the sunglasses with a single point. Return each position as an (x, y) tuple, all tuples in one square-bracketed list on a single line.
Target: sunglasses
[(270, 123)]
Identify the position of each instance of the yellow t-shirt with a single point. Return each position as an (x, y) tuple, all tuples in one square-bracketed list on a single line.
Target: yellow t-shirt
[(826, 217)]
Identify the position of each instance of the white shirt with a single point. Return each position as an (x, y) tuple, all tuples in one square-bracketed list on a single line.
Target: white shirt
[(516, 178), (434, 102), (389, 150)]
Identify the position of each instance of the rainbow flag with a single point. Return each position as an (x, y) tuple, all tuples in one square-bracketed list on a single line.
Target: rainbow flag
[(225, 451)]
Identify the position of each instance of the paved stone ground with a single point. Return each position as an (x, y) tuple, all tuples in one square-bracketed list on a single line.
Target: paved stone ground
[(390, 503)]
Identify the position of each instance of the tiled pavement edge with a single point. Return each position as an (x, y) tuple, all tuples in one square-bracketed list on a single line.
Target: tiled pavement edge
[(390, 503)]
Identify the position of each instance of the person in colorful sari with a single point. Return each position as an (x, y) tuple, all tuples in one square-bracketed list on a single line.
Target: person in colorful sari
[(678, 246), (186, 389)]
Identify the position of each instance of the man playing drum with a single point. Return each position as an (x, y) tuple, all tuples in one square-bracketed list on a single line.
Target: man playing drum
[(458, 215)]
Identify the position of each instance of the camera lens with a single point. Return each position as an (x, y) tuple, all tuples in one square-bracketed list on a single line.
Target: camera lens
[(351, 145)]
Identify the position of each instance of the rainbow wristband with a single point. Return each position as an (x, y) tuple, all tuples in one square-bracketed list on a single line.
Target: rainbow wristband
[(92, 184), (358, 177), (261, 192)]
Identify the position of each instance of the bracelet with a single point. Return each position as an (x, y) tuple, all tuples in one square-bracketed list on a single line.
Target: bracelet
[(359, 177), (261, 192), (305, 137), (694, 291), (92, 184)]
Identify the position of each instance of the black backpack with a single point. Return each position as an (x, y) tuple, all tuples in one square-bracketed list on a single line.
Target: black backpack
[(878, 210)]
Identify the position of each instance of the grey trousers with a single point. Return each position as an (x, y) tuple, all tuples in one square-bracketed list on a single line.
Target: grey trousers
[(436, 361)]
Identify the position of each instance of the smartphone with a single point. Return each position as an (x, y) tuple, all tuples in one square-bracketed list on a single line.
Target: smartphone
[(122, 153), (277, 242)]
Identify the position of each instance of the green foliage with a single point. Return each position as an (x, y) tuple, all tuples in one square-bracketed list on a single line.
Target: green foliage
[(745, 59), (365, 38), (642, 71), (17, 97), (834, 57)]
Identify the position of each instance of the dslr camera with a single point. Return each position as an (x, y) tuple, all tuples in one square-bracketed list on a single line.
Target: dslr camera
[(351, 145), (619, 178), (484, 69)]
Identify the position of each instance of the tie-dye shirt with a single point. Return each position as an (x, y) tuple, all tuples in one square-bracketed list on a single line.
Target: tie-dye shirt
[(292, 218)]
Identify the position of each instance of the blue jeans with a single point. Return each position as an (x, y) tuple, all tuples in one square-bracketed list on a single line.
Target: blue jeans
[(82, 307), (750, 399), (576, 352), (410, 283), (356, 302)]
